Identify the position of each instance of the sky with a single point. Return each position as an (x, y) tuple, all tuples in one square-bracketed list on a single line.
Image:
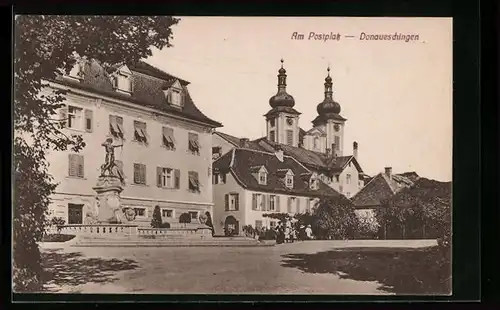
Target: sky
[(396, 95)]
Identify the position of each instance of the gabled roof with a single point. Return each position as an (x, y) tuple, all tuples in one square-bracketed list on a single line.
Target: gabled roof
[(380, 189), (234, 140), (238, 162), (147, 82)]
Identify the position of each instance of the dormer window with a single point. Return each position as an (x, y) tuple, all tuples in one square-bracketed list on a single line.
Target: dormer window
[(313, 183), (262, 178), (122, 80), (174, 94), (77, 72)]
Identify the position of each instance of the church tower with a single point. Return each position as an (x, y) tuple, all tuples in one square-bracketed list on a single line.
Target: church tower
[(282, 121), (330, 121)]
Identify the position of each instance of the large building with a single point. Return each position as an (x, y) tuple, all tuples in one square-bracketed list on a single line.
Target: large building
[(250, 183), (320, 149), (166, 155)]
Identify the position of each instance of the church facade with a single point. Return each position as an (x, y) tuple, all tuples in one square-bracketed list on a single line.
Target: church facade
[(321, 149), (165, 152)]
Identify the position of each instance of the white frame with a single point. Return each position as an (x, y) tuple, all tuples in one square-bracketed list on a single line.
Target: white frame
[(145, 216), (81, 126), (232, 206), (168, 209), (263, 175), (164, 177), (197, 215)]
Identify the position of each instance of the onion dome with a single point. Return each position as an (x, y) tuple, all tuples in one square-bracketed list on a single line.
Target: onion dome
[(328, 107), (282, 98)]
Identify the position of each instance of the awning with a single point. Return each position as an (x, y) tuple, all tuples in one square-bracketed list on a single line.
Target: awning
[(168, 135), (120, 127)]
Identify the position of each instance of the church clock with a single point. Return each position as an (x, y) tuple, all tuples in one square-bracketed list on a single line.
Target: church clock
[(289, 121), (336, 127)]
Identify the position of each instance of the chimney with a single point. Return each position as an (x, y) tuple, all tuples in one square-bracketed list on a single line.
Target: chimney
[(388, 172), (355, 150), (279, 153), (244, 142)]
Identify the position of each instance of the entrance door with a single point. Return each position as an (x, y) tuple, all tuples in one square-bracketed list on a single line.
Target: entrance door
[(231, 226), (75, 213)]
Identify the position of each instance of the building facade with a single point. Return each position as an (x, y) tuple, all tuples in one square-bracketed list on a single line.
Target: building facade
[(164, 143), (250, 183)]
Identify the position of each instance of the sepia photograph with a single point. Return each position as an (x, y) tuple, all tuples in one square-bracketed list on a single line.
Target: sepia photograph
[(232, 155)]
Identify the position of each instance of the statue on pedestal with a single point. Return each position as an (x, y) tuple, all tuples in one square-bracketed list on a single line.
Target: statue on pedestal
[(108, 188)]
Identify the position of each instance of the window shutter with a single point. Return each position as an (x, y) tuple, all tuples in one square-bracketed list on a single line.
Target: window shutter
[(80, 166), (298, 205), (237, 202), (254, 201), (88, 120), (119, 122), (177, 174), (63, 115), (227, 202), (337, 143), (277, 203), (137, 173), (264, 203), (71, 165), (158, 176), (289, 205), (143, 174), (308, 205)]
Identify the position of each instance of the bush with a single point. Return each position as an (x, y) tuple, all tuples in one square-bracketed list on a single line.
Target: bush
[(249, 231), (335, 219), (156, 221), (267, 234), (57, 237), (229, 232), (165, 225), (57, 222), (185, 218)]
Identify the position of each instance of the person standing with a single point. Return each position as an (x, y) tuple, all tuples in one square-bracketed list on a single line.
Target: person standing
[(309, 235)]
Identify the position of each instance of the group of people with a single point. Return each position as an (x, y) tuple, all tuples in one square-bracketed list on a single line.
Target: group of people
[(286, 232)]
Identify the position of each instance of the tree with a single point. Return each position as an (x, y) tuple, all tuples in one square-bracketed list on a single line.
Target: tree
[(47, 46), (156, 221), (185, 218), (335, 218)]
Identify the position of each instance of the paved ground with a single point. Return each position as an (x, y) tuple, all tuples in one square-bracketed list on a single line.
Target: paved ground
[(320, 267)]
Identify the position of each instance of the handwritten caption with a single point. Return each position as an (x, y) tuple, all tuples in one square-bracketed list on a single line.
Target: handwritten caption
[(363, 36)]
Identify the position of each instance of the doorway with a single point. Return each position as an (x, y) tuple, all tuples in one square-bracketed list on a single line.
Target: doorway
[(75, 213), (231, 226)]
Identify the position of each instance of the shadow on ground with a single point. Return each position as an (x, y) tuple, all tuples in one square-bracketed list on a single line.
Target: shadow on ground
[(71, 269), (401, 271)]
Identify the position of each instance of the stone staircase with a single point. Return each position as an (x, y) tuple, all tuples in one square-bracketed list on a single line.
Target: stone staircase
[(170, 241)]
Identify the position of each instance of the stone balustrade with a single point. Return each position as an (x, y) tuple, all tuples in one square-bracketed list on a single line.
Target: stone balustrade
[(105, 230)]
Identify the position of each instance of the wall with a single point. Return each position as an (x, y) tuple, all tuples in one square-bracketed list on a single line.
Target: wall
[(220, 214), (221, 142), (331, 133), (152, 155)]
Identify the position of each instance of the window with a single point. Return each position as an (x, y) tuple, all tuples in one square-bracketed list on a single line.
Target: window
[(140, 174), (216, 152), (194, 145), (215, 178), (348, 194), (272, 203), (337, 143), (122, 81), (222, 178), (75, 118), (168, 138), (75, 213), (272, 122), (258, 202), (140, 212), (258, 224), (298, 205), (337, 178), (314, 183), (167, 213), (289, 181), (116, 126), (166, 177), (193, 214), (193, 182), (316, 143), (77, 70), (271, 136), (232, 202), (289, 137), (262, 178), (140, 133), (348, 179), (76, 167), (176, 97), (291, 201)]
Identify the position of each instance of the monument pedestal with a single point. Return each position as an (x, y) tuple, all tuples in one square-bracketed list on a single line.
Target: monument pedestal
[(108, 189)]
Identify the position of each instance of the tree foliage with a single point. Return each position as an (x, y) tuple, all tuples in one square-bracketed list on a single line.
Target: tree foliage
[(156, 221), (185, 218), (335, 219), (47, 46)]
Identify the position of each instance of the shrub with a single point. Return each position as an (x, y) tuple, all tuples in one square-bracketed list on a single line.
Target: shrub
[(165, 225), (156, 221), (267, 234), (185, 218), (249, 231), (57, 222)]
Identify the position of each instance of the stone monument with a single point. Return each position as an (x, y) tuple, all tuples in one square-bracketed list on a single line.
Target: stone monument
[(108, 188)]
